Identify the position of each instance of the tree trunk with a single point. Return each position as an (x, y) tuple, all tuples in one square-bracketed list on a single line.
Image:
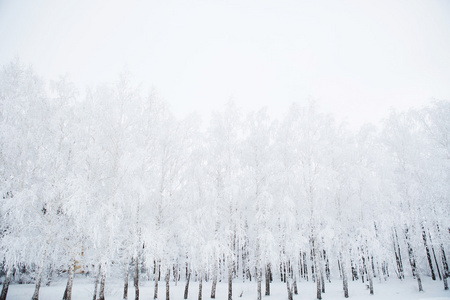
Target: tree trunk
[(316, 269), (258, 270), (136, 279), (37, 287), (101, 295), (49, 276), (6, 284), (319, 290), (419, 282), (267, 280), (305, 267), (289, 289), (412, 261), (214, 283), (258, 281), (354, 272), (125, 284), (295, 285), (370, 274), (344, 275), (436, 262), (186, 287), (157, 267), (322, 281), (230, 279), (363, 269), (97, 279), (175, 274), (427, 249), (339, 265), (68, 291), (168, 284), (200, 286), (327, 266), (39, 278), (444, 267), (434, 256), (398, 256)]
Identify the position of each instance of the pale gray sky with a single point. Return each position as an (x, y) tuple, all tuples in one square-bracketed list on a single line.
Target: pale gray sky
[(357, 58)]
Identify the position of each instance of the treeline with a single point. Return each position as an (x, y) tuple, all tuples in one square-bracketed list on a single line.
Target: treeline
[(112, 178)]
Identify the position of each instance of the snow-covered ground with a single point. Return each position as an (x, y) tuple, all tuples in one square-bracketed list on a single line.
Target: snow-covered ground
[(392, 289)]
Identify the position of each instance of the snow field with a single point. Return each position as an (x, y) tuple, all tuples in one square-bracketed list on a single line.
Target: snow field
[(389, 290)]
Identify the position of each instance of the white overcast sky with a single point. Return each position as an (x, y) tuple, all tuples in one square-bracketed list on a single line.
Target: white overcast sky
[(356, 58)]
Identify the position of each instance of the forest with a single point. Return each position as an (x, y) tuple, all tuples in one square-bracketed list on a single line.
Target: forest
[(109, 183)]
